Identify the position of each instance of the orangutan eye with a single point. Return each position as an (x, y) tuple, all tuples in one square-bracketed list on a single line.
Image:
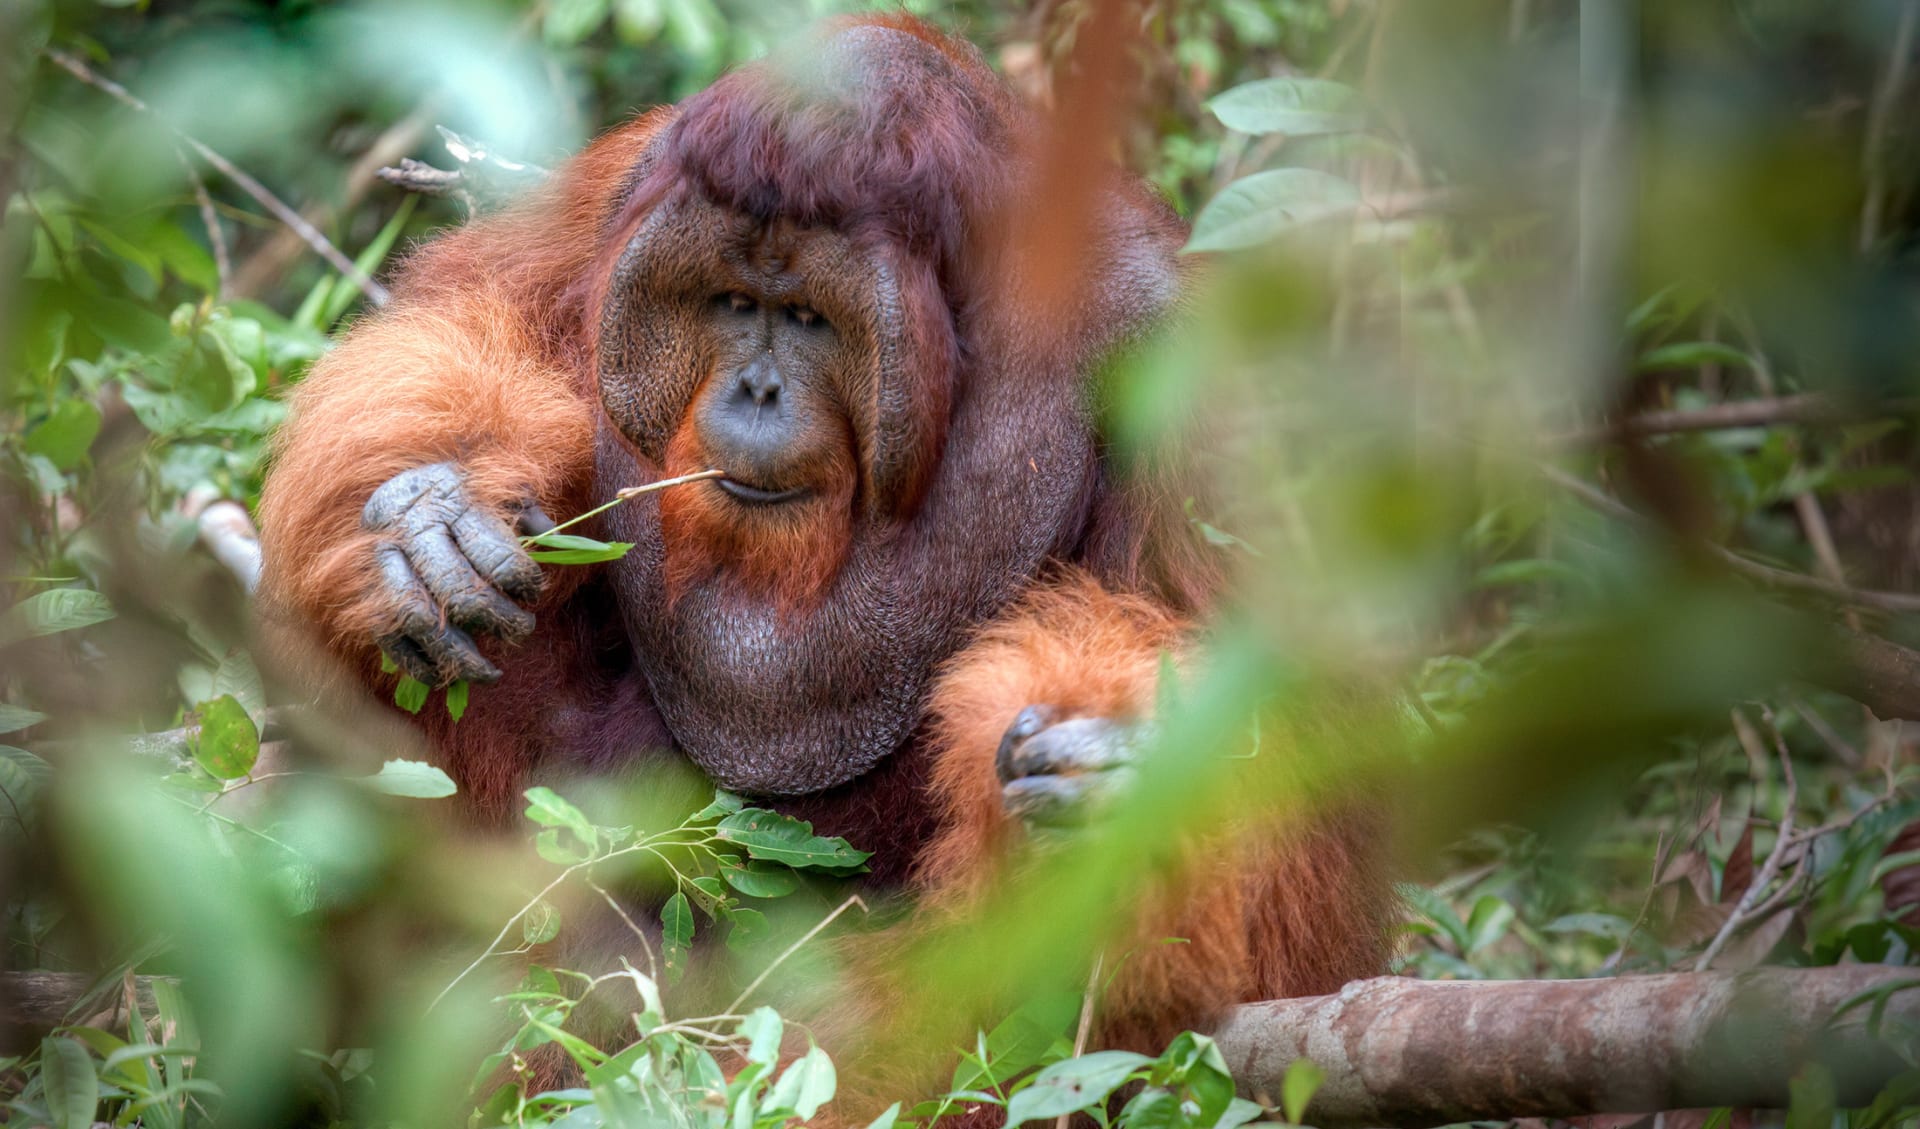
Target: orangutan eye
[(739, 303), (805, 315)]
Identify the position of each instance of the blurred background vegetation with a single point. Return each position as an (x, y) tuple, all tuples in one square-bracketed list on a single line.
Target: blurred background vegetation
[(1562, 361)]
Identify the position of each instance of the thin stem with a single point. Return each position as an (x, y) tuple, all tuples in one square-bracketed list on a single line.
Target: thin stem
[(376, 293), (646, 944), (627, 494), (792, 949), (1085, 1029), (1769, 870)]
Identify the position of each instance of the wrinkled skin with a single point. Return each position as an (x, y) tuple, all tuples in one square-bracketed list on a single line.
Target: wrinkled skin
[(450, 568), (1056, 773)]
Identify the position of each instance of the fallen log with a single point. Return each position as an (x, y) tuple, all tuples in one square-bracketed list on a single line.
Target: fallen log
[(1407, 1052)]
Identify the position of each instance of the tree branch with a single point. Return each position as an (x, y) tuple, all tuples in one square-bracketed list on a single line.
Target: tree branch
[(1807, 407), (376, 293), (1418, 1052)]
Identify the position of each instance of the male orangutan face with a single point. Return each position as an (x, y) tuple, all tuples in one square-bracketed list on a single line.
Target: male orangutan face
[(784, 357)]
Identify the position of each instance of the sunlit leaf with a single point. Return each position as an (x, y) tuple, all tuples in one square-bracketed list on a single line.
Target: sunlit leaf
[(72, 1090), (15, 718), (64, 436), (1297, 1088), (676, 924), (53, 611), (229, 743), (415, 779), (779, 838), (1293, 106), (410, 693), (761, 880), (549, 809), (541, 923), (1262, 207), (806, 1085), (1073, 1085)]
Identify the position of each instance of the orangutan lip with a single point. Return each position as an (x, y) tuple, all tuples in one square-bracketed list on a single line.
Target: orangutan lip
[(756, 495)]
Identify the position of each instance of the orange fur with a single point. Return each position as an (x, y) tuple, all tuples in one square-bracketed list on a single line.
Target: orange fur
[(1302, 909), (478, 360), (790, 554)]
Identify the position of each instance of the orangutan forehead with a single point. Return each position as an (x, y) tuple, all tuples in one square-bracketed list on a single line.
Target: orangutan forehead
[(871, 127)]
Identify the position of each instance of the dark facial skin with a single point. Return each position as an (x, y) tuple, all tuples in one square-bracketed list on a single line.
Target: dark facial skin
[(814, 387), (766, 418)]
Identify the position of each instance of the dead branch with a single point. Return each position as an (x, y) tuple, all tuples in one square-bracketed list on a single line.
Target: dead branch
[(1806, 408), (1417, 1052), (1765, 574), (40, 1001), (482, 177)]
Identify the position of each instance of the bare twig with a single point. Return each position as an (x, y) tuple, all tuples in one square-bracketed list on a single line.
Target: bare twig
[(1805, 407), (1879, 113), (646, 943), (1085, 1030), (1777, 857), (481, 176), (1765, 574), (376, 293), (216, 236), (266, 264), (746, 992), (1841, 747)]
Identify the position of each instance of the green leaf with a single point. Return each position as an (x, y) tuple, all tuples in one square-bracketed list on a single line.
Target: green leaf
[(71, 1088), (676, 923), (410, 693), (1073, 1085), (22, 776), (638, 21), (1154, 1108), (592, 553), (1293, 106), (1487, 922), (570, 21), (1302, 1081), (761, 880), (749, 928), (64, 436), (763, 1029), (548, 809), (238, 676), (457, 699), (1435, 909), (53, 611), (1692, 354), (415, 779), (1239, 1112), (724, 803), (229, 743), (542, 923), (886, 1118), (779, 838), (344, 293), (15, 718), (806, 1085), (548, 845), (1262, 207)]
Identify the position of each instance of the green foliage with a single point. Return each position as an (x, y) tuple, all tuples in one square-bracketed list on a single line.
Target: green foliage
[(1396, 337)]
